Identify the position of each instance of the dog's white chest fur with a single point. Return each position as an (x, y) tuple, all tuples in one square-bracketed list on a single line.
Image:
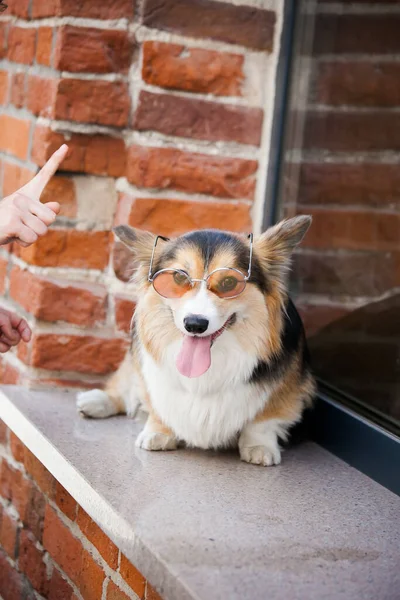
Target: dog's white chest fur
[(208, 411)]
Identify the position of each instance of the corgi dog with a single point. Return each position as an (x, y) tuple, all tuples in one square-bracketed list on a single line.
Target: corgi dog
[(218, 354)]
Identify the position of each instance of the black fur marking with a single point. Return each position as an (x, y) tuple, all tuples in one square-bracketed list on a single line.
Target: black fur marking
[(293, 338), (209, 242)]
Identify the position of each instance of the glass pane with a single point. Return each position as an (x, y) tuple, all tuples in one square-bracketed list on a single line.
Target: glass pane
[(341, 164)]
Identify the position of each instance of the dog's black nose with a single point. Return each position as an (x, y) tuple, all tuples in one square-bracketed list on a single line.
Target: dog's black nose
[(195, 324)]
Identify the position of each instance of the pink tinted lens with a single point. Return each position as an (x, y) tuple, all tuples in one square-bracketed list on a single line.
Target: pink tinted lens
[(226, 283), (171, 284)]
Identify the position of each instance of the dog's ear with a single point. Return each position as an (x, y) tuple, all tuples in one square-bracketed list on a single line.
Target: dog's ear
[(275, 246), (139, 242)]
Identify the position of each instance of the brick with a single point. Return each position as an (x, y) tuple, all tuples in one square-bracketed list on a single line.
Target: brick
[(42, 477), (374, 185), (90, 9), (30, 562), (3, 39), (3, 275), (151, 593), (9, 374), (133, 577), (12, 584), (21, 45), (97, 154), (18, 8), (82, 354), (114, 593), (44, 46), (41, 95), (89, 50), (18, 89), (4, 85), (3, 433), (345, 275), (101, 102), (70, 556), (166, 217), (357, 34), (243, 25), (98, 538), (58, 300), (14, 136), (15, 177), (198, 119), (192, 69), (69, 248), (167, 168), (8, 533), (61, 189), (124, 309), (16, 447), (352, 132), (58, 587), (65, 502), (353, 230), (316, 316), (358, 83)]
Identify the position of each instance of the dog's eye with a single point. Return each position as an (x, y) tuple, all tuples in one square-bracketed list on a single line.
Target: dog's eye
[(227, 284), (180, 278)]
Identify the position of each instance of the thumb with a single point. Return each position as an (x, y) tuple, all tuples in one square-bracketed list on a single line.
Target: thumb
[(54, 206)]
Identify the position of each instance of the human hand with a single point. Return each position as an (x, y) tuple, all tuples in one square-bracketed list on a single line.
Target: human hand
[(23, 218), (13, 329)]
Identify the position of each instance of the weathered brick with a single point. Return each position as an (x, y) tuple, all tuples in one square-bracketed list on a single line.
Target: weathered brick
[(3, 39), (18, 89), (16, 447), (365, 184), (167, 168), (98, 538), (3, 275), (14, 135), (4, 85), (97, 154), (86, 49), (41, 95), (357, 34), (316, 316), (166, 217), (114, 593), (151, 593), (198, 119), (102, 102), (42, 477), (44, 46), (9, 374), (353, 230), (69, 554), (352, 132), (82, 354), (133, 577), (18, 8), (21, 45), (58, 587), (14, 177), (244, 25), (30, 562), (61, 189), (3, 433), (12, 584), (90, 9), (58, 300), (124, 309), (65, 502), (8, 533), (192, 69), (69, 248), (317, 273)]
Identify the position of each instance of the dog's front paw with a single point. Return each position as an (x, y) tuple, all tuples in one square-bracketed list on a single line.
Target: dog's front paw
[(95, 404), (153, 440), (261, 455)]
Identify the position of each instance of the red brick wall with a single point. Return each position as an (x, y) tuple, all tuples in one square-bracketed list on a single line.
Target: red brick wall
[(166, 107), (348, 175), (49, 544)]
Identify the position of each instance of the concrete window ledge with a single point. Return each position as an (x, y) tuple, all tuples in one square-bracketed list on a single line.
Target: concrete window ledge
[(205, 526)]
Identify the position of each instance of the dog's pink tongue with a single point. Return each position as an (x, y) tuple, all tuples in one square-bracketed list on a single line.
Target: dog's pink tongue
[(194, 357)]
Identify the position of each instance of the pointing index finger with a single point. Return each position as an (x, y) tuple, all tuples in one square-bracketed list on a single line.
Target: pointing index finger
[(36, 186)]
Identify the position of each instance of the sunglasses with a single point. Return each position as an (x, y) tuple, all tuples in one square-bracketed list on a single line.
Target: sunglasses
[(225, 282)]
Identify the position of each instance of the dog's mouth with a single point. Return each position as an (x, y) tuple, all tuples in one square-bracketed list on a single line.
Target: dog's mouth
[(194, 357)]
